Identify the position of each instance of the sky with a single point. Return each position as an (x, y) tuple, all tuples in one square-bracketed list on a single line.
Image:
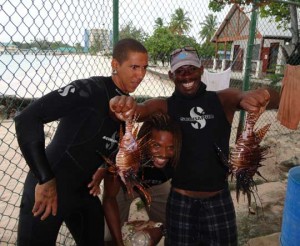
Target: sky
[(66, 20)]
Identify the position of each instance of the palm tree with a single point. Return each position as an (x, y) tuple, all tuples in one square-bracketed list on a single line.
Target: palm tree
[(180, 23), (209, 26), (130, 31)]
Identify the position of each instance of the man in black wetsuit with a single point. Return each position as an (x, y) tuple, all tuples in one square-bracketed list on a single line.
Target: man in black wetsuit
[(200, 210), (55, 189)]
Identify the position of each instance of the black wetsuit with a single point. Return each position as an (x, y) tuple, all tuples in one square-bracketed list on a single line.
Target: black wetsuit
[(85, 130)]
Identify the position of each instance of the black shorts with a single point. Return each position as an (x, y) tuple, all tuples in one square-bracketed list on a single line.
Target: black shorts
[(193, 221)]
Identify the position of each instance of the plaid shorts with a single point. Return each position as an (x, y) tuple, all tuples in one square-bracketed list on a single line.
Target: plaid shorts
[(193, 221)]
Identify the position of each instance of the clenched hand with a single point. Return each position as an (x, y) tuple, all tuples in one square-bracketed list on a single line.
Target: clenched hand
[(123, 107), (255, 101)]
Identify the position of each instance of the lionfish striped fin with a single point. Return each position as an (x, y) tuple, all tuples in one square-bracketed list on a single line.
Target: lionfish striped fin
[(262, 132)]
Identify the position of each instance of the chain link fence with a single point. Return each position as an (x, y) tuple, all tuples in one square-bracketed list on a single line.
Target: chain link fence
[(46, 44)]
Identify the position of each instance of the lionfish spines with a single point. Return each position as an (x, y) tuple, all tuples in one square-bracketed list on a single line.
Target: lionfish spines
[(128, 159), (260, 134), (246, 157)]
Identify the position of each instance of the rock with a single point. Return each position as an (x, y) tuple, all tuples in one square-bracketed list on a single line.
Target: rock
[(286, 165), (270, 240)]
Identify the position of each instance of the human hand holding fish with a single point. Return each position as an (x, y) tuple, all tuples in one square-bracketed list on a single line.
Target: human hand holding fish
[(255, 101), (123, 107)]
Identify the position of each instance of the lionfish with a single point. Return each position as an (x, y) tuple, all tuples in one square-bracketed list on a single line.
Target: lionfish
[(128, 160), (246, 157)]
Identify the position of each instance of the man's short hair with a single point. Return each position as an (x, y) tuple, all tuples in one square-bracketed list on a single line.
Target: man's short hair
[(126, 45)]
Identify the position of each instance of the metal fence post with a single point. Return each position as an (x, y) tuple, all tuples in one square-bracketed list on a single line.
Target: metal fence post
[(115, 21), (250, 44)]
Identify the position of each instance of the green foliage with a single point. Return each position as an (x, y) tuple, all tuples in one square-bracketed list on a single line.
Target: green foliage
[(139, 205), (217, 5), (275, 74), (159, 22), (280, 11), (164, 41), (96, 46), (180, 22), (209, 26), (207, 50), (275, 78), (181, 41), (44, 44), (160, 44), (22, 45), (79, 48), (130, 31), (58, 44)]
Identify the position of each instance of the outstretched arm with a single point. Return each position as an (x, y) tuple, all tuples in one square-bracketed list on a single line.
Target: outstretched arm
[(111, 209), (251, 101), (254, 100)]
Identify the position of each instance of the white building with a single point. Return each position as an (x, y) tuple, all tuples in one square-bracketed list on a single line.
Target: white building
[(101, 36), (267, 54)]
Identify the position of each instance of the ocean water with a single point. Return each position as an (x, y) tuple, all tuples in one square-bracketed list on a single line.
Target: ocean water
[(32, 76), (35, 75)]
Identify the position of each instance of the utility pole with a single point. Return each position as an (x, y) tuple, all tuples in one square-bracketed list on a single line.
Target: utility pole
[(247, 74)]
